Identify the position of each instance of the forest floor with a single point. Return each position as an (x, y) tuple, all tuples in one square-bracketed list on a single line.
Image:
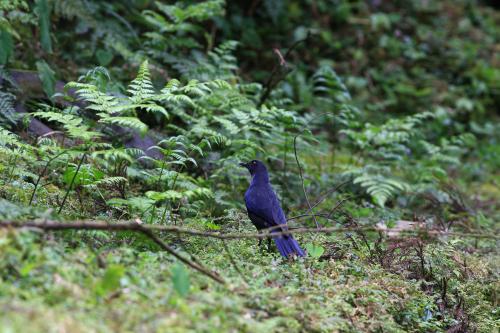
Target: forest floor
[(81, 281)]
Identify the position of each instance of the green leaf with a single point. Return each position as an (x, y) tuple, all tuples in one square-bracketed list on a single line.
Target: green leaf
[(104, 57), (212, 226), (6, 26), (314, 250), (86, 175), (43, 9), (111, 279), (27, 268), (167, 195), (47, 76), (180, 279), (6, 46)]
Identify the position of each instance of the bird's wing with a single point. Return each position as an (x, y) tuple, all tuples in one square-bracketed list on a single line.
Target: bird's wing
[(277, 213), (263, 207), (258, 221)]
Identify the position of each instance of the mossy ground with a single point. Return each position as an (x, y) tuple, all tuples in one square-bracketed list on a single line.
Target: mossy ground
[(122, 283)]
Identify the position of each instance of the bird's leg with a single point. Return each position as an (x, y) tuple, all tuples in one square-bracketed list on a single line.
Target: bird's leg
[(269, 247)]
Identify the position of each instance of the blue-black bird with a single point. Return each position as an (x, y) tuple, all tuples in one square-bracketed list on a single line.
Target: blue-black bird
[(265, 211)]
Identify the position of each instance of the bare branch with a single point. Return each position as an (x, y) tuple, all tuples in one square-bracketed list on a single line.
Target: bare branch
[(274, 78), (148, 231), (134, 226)]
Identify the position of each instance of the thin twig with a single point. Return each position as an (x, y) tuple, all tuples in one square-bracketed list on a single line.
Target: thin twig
[(72, 182), (300, 169), (340, 203), (303, 183), (323, 215), (330, 191), (271, 82), (42, 174), (320, 200)]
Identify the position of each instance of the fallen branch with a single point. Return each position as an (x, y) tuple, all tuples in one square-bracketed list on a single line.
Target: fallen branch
[(134, 226), (149, 233), (121, 226)]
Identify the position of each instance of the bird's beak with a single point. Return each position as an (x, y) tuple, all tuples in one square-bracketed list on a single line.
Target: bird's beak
[(245, 165)]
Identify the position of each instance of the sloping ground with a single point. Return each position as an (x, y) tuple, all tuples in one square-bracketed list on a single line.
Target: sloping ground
[(62, 285)]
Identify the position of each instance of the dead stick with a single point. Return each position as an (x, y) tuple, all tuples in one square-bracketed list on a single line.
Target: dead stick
[(233, 262), (167, 248), (132, 226), (123, 226)]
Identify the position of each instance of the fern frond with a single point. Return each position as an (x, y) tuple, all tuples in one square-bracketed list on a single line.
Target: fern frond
[(328, 84), (117, 154), (96, 99), (131, 122), (111, 181), (141, 88), (8, 114), (380, 188), (231, 127), (72, 124), (8, 138)]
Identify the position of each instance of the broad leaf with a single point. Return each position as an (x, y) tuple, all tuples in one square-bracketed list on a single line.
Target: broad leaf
[(6, 46), (180, 279), (314, 250), (47, 76), (43, 9)]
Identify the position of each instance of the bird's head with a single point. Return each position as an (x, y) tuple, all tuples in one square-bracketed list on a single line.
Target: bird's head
[(255, 167)]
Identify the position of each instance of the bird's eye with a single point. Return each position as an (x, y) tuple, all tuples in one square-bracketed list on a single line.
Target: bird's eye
[(254, 162)]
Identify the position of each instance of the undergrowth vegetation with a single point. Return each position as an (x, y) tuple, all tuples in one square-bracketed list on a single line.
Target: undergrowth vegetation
[(378, 120)]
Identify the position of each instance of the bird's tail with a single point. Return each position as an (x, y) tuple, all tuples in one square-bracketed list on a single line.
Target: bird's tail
[(288, 246)]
